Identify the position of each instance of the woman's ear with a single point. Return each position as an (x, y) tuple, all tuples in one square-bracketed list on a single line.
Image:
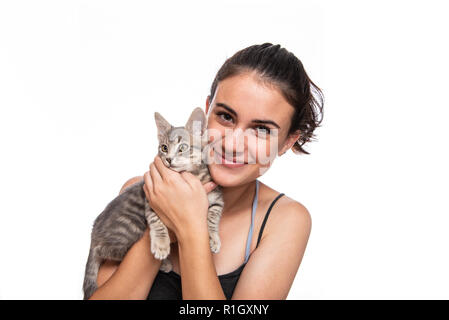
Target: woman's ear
[(289, 142)]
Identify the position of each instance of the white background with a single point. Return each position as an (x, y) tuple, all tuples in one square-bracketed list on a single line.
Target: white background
[(81, 80)]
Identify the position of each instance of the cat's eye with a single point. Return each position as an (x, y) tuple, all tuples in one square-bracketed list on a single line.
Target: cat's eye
[(183, 147), (164, 148)]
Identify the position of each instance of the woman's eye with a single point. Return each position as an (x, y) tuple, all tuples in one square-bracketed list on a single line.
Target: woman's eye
[(164, 148), (184, 147), (225, 116), (263, 129)]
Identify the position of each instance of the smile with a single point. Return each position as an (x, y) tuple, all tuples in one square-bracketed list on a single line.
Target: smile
[(234, 163)]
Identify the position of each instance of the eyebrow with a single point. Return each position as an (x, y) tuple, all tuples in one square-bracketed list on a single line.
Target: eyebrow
[(220, 104)]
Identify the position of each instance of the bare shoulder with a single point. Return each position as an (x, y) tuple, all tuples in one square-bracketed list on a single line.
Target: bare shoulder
[(130, 182), (295, 210), (292, 215), (288, 216)]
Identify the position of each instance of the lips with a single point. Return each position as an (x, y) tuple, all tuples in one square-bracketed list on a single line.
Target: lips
[(230, 163)]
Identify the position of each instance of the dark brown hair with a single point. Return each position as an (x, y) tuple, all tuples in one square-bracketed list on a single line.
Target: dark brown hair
[(279, 67)]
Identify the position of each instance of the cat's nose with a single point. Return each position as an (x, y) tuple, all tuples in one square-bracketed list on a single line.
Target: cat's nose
[(168, 160)]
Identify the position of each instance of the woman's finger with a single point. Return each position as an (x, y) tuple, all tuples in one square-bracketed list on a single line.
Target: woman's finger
[(148, 185), (166, 173), (194, 182), (189, 178), (209, 186), (155, 176), (147, 195)]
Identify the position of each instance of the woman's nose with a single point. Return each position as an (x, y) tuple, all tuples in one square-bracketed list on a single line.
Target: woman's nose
[(234, 140)]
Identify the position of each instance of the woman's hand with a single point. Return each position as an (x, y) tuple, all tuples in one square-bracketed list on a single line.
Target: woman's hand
[(179, 199)]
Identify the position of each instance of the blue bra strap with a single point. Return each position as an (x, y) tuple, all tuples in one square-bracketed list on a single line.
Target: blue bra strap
[(253, 213)]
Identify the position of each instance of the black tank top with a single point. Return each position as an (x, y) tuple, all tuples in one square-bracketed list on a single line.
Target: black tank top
[(167, 285)]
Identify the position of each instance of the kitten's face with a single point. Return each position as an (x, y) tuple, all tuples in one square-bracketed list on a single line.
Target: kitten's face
[(175, 151), (177, 147)]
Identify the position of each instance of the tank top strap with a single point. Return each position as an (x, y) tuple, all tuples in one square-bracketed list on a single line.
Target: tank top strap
[(253, 214), (266, 217), (251, 228)]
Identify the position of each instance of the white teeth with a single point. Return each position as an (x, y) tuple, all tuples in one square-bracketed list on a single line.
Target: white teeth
[(237, 161)]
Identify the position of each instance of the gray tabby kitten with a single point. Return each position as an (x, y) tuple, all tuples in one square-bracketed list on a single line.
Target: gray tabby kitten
[(126, 217)]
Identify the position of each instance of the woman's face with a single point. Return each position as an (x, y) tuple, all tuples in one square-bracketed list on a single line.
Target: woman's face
[(248, 122)]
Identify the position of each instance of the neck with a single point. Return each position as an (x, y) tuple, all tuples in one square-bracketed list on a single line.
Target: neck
[(239, 196)]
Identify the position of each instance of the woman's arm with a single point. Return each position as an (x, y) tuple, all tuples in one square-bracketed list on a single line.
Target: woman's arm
[(272, 267), (198, 275), (133, 277)]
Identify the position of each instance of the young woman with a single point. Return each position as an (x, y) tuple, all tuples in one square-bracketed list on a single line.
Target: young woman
[(264, 233)]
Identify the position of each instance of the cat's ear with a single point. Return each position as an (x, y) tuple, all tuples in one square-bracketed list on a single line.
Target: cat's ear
[(163, 126), (197, 121)]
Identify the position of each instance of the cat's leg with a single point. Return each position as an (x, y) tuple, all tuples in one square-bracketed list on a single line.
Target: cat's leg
[(213, 220), (160, 240)]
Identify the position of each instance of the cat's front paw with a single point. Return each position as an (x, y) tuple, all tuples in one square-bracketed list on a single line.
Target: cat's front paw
[(160, 248), (214, 241), (166, 265)]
